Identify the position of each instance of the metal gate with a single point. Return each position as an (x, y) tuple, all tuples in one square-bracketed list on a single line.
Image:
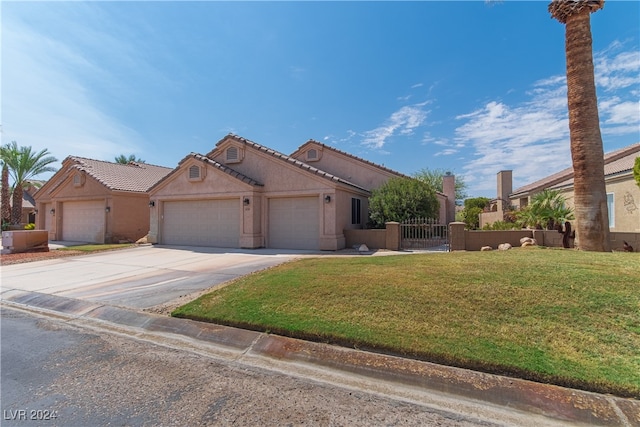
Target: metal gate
[(424, 233)]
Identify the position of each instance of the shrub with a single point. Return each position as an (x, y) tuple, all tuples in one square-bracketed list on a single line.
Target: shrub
[(30, 226)]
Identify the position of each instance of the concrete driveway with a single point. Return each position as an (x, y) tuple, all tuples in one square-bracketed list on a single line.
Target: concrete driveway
[(143, 277)]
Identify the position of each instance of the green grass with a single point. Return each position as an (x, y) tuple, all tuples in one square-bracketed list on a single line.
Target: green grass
[(560, 316), (97, 247)]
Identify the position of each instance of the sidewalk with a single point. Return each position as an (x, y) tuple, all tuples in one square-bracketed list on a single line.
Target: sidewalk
[(557, 405)]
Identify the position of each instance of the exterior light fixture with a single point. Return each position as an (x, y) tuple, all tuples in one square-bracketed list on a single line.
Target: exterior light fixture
[(107, 209), (327, 199), (35, 211), (52, 211), (246, 201), (152, 203)]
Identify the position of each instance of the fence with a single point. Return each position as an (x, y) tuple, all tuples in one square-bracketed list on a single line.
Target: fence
[(423, 233)]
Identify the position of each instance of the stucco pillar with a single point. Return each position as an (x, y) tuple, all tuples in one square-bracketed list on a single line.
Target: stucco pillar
[(449, 190), (456, 236), (393, 236)]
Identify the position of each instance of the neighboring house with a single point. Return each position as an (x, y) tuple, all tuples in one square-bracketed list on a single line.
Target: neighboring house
[(245, 195), (623, 194), (28, 203), (96, 201)]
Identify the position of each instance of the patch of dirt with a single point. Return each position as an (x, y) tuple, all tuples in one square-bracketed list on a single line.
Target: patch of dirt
[(19, 258)]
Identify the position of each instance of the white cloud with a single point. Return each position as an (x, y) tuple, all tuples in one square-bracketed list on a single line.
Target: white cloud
[(402, 122), (532, 137), (48, 99)]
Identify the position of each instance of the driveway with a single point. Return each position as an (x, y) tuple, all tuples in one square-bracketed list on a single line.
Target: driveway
[(154, 278)]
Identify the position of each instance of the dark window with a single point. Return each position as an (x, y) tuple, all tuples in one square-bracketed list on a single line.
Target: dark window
[(355, 211)]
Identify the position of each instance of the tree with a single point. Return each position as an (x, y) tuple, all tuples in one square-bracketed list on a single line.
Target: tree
[(400, 199), (126, 160), (5, 198), (590, 199), (547, 209), (24, 164), (636, 171), (433, 177), (473, 207)]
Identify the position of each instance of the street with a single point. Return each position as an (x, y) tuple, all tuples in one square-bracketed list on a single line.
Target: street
[(59, 374)]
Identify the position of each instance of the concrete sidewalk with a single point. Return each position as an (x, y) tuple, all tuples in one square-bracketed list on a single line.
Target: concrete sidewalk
[(547, 404)]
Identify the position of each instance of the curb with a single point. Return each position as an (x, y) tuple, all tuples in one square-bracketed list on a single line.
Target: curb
[(558, 403)]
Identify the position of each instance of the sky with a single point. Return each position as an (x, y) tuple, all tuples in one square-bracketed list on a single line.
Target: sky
[(470, 87)]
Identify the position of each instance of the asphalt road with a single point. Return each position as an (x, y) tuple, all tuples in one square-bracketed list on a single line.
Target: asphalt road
[(54, 373), (141, 277)]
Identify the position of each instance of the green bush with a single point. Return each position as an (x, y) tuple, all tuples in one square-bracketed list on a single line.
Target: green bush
[(30, 226)]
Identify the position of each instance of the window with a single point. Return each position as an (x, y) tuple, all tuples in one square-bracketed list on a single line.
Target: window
[(611, 210), (355, 211)]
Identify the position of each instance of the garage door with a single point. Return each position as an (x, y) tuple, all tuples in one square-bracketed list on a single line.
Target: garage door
[(214, 223), (83, 221), (294, 223)]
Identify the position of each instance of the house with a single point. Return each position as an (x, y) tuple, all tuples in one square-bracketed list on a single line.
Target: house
[(96, 201), (623, 194), (245, 195)]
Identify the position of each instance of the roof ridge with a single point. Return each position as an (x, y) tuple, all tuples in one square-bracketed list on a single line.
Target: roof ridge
[(132, 163), (351, 156), (287, 158)]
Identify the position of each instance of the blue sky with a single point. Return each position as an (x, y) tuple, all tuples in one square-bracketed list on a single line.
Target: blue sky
[(471, 87)]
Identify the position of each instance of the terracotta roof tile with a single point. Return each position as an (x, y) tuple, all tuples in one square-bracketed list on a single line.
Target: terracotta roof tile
[(135, 177)]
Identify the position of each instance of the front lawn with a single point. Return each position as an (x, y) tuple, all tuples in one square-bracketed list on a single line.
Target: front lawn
[(561, 316)]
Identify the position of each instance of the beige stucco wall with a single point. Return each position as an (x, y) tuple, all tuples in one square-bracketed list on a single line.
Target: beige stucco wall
[(357, 172), (128, 218)]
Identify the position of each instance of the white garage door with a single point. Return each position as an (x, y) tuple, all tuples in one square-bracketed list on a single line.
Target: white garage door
[(214, 223), (294, 223), (83, 221)]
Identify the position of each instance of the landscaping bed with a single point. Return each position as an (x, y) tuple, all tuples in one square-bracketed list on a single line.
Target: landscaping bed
[(558, 316)]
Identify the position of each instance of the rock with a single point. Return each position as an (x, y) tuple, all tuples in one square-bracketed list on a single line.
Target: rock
[(486, 248), (528, 240), (504, 246), (142, 240), (525, 244), (363, 248)]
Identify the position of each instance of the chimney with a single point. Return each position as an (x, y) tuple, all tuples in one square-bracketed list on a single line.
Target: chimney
[(505, 187), (449, 190)]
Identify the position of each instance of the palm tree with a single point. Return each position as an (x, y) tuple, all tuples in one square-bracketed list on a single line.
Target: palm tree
[(24, 164), (5, 197), (592, 219), (126, 160)]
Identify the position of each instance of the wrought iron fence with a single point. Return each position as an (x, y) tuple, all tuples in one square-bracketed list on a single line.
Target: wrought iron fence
[(423, 233)]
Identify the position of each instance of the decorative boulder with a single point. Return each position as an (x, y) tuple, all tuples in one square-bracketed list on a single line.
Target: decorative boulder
[(486, 248), (504, 246), (528, 241)]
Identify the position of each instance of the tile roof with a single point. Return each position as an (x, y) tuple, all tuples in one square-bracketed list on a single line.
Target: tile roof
[(616, 162), (135, 177), (216, 165), (344, 153), (288, 159)]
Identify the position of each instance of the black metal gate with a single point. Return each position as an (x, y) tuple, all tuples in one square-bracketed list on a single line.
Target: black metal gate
[(424, 233)]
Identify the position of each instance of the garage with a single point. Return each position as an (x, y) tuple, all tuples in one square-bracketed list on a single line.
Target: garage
[(214, 223), (294, 223), (83, 221)]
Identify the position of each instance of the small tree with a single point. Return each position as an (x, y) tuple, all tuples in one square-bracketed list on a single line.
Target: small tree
[(24, 164), (126, 160), (433, 177), (547, 209), (400, 199), (636, 171), (472, 209)]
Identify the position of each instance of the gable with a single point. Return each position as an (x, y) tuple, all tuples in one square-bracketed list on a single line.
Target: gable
[(198, 175), (351, 168)]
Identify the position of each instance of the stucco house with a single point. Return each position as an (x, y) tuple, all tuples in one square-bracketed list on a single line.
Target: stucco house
[(623, 194), (245, 195), (96, 201)]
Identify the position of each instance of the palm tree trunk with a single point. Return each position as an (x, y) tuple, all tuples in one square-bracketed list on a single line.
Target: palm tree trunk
[(592, 219), (5, 198), (16, 209)]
